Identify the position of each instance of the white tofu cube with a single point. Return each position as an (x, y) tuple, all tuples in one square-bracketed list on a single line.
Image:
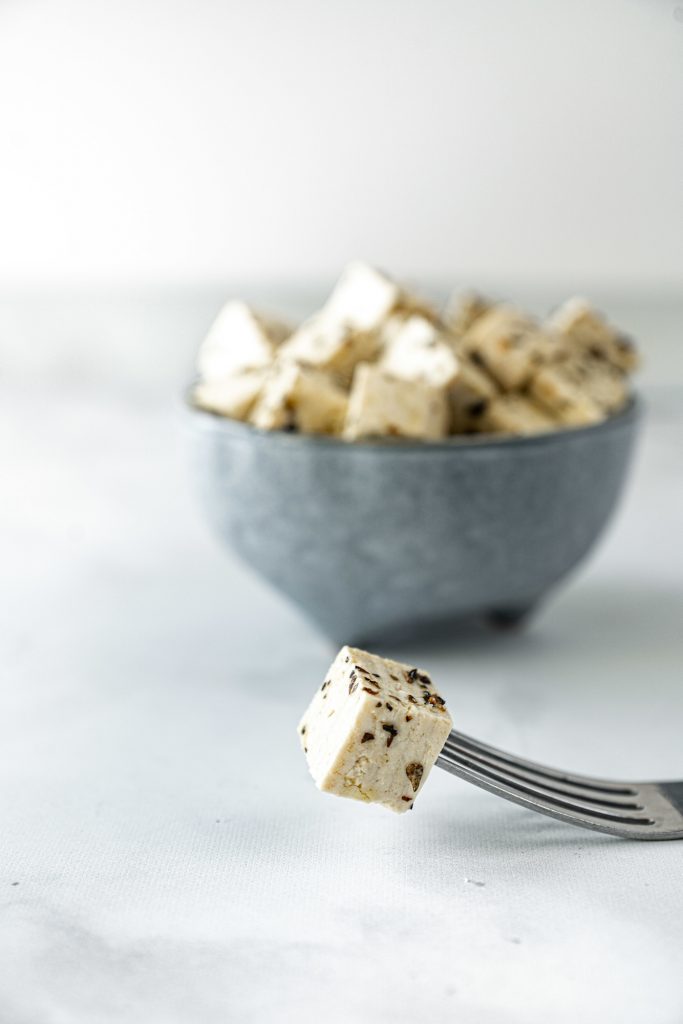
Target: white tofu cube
[(383, 406), (509, 345), (418, 329), (362, 298), (374, 730), (415, 351), (469, 396), (585, 329), (238, 340), (297, 398), (232, 396), (333, 347), (515, 414), (580, 390)]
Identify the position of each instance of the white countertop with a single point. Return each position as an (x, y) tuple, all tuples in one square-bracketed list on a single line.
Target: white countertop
[(164, 856)]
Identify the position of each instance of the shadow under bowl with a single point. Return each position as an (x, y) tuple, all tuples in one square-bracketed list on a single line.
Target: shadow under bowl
[(384, 539)]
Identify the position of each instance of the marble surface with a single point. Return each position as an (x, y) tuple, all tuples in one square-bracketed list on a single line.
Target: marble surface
[(164, 856)]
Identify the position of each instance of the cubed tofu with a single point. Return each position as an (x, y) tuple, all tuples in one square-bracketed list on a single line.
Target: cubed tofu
[(469, 396), (414, 351), (363, 299), (516, 414), (383, 406), (585, 329), (374, 730), (333, 347), (232, 396), (463, 309), (509, 345), (239, 339), (298, 398), (580, 390), (420, 330)]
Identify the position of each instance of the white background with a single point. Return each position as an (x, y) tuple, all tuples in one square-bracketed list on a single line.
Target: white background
[(194, 140)]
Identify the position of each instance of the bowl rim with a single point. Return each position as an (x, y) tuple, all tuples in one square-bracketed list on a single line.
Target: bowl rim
[(212, 421)]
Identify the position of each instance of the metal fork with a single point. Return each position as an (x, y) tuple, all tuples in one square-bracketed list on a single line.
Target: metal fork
[(633, 810)]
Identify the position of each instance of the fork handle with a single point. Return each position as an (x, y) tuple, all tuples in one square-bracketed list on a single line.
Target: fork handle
[(674, 792)]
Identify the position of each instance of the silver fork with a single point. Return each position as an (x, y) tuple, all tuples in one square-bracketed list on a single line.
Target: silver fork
[(634, 810)]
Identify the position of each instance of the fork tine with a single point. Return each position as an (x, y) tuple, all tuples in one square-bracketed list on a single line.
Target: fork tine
[(602, 786), (514, 769), (528, 795), (539, 792)]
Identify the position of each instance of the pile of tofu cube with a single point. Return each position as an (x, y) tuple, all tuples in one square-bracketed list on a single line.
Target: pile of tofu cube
[(379, 362)]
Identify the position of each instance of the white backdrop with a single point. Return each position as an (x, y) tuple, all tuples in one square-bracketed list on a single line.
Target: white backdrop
[(188, 140)]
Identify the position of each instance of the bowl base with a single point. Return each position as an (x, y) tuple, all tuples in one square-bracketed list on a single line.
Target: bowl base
[(445, 630), (510, 619)]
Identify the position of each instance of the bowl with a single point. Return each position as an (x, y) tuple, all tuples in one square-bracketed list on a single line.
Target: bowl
[(382, 539)]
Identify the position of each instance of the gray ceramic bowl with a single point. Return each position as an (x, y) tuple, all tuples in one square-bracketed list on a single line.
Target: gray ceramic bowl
[(379, 539)]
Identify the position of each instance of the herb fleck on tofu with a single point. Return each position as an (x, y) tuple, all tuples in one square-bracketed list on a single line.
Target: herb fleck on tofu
[(415, 676), (478, 408), (436, 702), (367, 736), (415, 771), (392, 730)]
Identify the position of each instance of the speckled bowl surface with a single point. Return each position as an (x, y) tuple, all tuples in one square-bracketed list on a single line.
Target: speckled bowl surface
[(378, 539)]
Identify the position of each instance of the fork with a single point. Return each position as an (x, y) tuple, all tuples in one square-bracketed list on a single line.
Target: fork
[(633, 810)]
